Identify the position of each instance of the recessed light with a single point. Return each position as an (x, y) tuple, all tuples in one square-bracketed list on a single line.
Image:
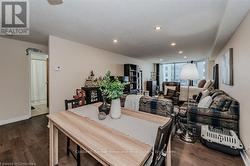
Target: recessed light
[(55, 2), (157, 28), (173, 44), (180, 52), (185, 57), (115, 41)]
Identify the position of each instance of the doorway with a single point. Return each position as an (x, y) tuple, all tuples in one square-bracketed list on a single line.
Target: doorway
[(38, 83)]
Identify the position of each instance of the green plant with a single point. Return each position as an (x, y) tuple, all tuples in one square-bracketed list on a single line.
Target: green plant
[(113, 89)]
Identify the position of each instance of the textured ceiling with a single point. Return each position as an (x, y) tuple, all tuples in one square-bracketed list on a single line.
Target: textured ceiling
[(199, 27)]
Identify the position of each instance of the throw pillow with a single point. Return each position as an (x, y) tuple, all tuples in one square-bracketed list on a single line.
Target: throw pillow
[(205, 102), (205, 93), (217, 94), (169, 87), (198, 97), (201, 83), (227, 105), (171, 92), (219, 103), (208, 84)]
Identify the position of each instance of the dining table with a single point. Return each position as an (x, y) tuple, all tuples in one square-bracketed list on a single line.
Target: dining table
[(127, 141)]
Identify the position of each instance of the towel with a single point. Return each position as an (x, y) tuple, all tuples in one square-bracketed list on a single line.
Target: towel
[(132, 102)]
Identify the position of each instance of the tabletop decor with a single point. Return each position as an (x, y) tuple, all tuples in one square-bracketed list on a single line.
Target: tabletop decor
[(113, 89), (101, 115), (105, 107), (91, 81)]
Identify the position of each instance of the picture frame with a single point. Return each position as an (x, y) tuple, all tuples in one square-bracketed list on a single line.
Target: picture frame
[(227, 68)]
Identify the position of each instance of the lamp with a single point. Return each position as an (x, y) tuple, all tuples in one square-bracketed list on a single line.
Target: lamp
[(189, 72)]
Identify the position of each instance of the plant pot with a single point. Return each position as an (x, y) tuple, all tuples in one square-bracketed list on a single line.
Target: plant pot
[(115, 111)]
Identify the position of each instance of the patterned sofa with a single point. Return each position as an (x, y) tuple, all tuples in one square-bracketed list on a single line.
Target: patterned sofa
[(163, 107), (223, 112)]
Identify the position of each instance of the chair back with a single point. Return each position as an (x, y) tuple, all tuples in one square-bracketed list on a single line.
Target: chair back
[(73, 103), (161, 142)]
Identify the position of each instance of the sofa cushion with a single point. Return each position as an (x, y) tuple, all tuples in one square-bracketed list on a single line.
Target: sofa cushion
[(163, 107), (205, 93), (166, 88), (213, 113), (205, 102), (215, 121), (208, 84), (171, 92), (221, 103), (216, 93)]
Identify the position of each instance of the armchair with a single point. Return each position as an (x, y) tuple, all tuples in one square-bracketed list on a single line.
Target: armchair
[(171, 91)]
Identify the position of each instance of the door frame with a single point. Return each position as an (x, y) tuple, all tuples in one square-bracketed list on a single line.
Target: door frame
[(29, 73)]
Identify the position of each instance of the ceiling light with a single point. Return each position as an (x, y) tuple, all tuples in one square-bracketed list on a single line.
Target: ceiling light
[(161, 60), (157, 28), (180, 52), (173, 44), (115, 41), (185, 57), (55, 2)]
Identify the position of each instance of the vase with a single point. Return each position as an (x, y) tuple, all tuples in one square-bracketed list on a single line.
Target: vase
[(115, 111), (105, 107)]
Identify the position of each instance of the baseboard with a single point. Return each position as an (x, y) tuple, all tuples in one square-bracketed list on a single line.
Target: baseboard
[(245, 157), (12, 120)]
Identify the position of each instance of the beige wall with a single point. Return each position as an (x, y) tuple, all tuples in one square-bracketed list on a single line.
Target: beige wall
[(240, 42), (76, 61), (14, 84)]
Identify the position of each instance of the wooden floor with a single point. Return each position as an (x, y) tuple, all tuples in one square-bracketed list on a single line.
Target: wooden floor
[(26, 143)]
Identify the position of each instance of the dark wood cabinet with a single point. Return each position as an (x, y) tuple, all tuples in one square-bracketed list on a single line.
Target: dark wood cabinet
[(151, 87), (134, 75), (93, 94)]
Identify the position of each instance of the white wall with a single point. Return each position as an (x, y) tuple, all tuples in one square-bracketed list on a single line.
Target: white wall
[(14, 84), (77, 60), (240, 42)]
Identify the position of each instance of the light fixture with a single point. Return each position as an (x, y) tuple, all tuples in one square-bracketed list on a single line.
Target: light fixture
[(180, 52), (157, 28), (185, 57), (189, 72), (173, 44), (115, 41), (55, 2), (161, 60)]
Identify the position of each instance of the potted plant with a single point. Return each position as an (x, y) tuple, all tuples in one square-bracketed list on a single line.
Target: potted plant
[(113, 89)]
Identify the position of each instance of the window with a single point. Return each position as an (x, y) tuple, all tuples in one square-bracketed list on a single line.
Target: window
[(172, 71), (202, 70)]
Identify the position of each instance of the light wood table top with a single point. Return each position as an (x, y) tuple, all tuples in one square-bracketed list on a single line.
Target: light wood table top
[(108, 146)]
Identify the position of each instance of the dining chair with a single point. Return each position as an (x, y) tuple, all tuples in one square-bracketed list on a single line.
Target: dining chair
[(73, 104), (161, 143)]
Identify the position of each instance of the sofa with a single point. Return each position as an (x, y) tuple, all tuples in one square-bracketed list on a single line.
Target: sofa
[(162, 107), (223, 112)]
